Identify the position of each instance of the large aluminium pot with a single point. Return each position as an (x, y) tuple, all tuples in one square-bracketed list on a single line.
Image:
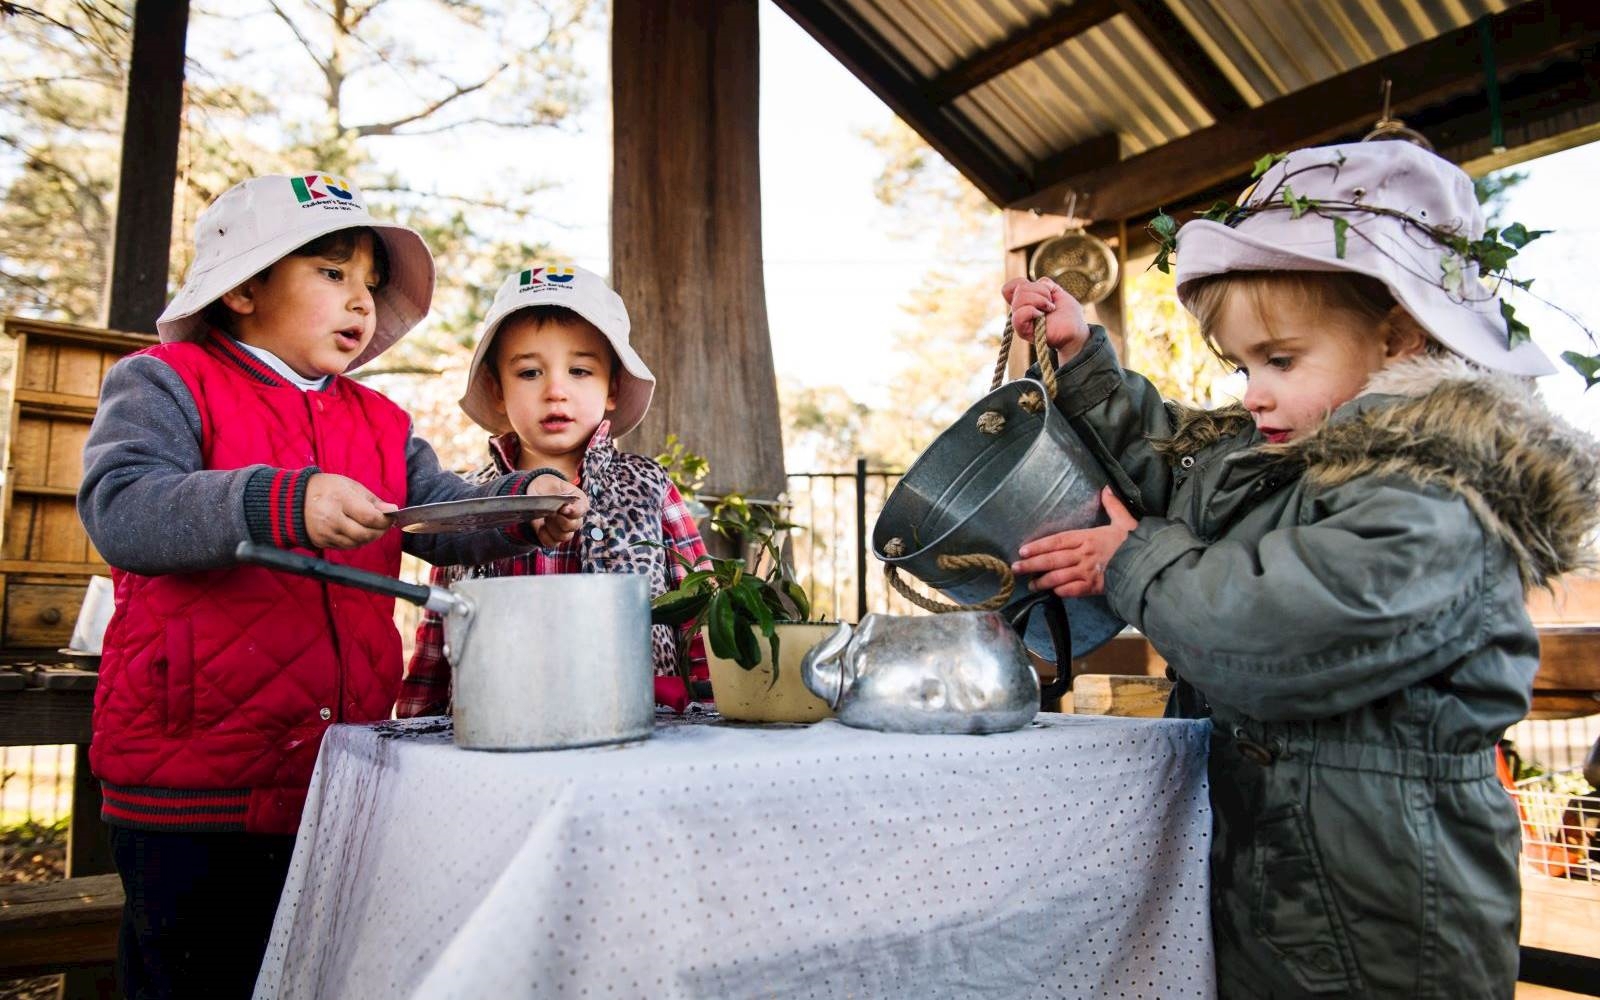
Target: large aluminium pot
[(540, 662), (979, 489)]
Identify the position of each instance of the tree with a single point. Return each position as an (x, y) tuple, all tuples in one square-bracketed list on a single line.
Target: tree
[(281, 86), (60, 122)]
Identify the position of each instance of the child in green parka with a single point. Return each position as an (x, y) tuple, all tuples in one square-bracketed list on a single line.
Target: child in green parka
[(1336, 567)]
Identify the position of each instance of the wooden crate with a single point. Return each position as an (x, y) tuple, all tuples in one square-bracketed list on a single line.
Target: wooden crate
[(46, 558)]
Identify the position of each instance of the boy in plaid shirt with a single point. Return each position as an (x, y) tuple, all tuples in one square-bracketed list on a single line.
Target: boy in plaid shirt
[(555, 381)]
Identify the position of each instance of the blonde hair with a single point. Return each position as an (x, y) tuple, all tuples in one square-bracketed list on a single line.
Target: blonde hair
[(1366, 302)]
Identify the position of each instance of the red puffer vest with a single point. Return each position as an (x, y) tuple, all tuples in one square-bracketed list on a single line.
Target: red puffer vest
[(216, 686)]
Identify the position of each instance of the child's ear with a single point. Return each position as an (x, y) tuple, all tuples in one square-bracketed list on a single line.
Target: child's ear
[(497, 394), (240, 300), (1403, 336), (611, 397)]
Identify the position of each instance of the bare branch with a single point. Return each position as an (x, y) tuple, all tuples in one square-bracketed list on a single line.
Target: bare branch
[(477, 120), (300, 37), (389, 127)]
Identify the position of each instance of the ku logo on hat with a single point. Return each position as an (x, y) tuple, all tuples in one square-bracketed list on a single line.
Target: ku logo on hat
[(536, 276), (310, 189)]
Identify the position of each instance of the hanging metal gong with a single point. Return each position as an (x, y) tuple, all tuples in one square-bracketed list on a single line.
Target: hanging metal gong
[(1084, 266)]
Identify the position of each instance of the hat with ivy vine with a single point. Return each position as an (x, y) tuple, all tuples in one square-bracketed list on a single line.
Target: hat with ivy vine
[(1388, 210)]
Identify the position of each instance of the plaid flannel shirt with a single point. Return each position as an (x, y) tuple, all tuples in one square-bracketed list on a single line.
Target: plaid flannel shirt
[(426, 687)]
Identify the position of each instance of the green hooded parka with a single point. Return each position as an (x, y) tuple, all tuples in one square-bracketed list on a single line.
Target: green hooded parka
[(1348, 608)]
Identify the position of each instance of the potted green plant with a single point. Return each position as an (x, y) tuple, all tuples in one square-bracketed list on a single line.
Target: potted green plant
[(754, 616)]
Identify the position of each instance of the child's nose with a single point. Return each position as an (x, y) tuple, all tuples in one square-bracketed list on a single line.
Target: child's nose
[(1255, 397)]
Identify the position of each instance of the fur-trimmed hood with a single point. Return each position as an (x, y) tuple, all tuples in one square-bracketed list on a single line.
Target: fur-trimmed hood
[(1532, 479)]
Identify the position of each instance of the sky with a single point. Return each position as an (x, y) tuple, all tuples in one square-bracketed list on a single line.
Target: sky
[(838, 271)]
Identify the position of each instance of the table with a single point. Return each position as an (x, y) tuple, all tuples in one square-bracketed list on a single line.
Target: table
[(722, 860)]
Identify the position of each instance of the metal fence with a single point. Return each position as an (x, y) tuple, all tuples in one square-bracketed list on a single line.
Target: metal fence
[(1555, 744), (831, 556), (35, 784)]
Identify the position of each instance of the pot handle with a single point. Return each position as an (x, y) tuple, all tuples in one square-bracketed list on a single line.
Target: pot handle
[(433, 598), (1055, 619)]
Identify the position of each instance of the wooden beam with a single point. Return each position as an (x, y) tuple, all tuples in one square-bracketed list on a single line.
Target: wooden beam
[(137, 290), (1187, 57), (860, 49), (1033, 40), (1527, 35), (1103, 150)]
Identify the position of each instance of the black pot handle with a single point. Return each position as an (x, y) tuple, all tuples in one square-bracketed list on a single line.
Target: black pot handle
[(1055, 619), (320, 569)]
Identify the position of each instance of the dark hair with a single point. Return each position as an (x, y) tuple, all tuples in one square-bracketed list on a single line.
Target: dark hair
[(540, 317), (338, 246)]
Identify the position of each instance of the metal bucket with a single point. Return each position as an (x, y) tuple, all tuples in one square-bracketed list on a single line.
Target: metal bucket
[(975, 492)]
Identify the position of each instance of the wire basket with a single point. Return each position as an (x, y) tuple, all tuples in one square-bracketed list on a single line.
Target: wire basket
[(1560, 815)]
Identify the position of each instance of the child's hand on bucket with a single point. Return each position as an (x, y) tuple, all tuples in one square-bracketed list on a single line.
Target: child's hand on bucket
[(1064, 327), (1073, 563)]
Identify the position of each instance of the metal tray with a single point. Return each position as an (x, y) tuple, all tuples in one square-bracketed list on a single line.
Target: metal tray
[(476, 514)]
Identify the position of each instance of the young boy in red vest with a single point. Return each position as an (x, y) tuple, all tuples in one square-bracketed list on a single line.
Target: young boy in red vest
[(219, 679)]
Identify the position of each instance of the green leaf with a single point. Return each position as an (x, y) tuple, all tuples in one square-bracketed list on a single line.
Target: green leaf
[(721, 627), (677, 607), (1587, 365), (1341, 227), (1164, 225), (1520, 236), (1266, 163), (1516, 330), (1163, 261), (1298, 205), (772, 644), (754, 608), (749, 647), (797, 594), (1490, 254), (695, 579)]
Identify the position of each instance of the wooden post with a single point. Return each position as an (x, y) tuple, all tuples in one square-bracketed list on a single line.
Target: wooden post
[(142, 239), (1110, 312), (686, 232)]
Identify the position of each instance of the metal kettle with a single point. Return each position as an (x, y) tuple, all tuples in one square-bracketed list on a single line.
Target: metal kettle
[(961, 672)]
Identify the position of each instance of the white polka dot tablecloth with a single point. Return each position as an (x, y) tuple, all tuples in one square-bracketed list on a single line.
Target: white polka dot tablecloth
[(1067, 859)]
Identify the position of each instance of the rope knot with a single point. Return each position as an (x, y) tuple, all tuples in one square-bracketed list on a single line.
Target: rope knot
[(991, 422), (1031, 401)]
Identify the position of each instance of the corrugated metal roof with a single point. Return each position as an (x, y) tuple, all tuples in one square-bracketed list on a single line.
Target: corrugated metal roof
[(1112, 77)]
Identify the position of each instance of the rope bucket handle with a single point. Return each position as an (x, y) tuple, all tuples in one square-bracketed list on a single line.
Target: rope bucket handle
[(1041, 353), (977, 560)]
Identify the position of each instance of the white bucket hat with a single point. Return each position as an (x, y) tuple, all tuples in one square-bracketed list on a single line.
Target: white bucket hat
[(1456, 309), (583, 292), (258, 222)]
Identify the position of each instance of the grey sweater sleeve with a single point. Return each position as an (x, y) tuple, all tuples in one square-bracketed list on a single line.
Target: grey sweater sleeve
[(147, 502), (427, 482)]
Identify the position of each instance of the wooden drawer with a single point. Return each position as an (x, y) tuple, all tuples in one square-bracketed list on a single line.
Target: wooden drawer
[(40, 615)]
